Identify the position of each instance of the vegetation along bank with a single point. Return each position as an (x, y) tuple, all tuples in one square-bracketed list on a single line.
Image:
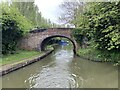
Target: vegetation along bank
[(98, 33)]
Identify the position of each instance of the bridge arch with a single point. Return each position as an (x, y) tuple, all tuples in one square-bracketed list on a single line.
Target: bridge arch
[(44, 42)]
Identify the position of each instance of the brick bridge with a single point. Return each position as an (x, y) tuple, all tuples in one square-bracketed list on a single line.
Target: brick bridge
[(37, 39)]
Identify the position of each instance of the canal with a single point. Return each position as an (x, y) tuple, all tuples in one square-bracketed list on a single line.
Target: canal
[(62, 69)]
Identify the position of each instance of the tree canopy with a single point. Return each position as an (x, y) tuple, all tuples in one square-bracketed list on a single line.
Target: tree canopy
[(31, 12), (98, 20), (18, 18)]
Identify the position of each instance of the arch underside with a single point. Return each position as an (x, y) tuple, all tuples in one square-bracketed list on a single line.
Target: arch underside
[(46, 40)]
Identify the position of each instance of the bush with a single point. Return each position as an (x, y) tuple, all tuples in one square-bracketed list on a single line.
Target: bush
[(80, 34), (104, 21), (14, 26)]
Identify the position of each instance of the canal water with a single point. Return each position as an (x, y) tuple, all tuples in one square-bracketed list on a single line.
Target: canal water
[(62, 69)]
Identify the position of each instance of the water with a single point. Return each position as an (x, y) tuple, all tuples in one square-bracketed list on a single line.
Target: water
[(62, 70)]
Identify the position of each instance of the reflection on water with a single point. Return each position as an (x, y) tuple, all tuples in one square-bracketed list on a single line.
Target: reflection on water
[(62, 70)]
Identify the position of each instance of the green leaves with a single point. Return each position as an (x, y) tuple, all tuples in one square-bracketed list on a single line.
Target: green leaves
[(105, 24), (14, 25), (101, 23), (11, 13), (31, 12), (103, 28)]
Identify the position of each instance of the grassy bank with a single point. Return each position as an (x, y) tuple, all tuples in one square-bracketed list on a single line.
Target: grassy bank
[(50, 47), (19, 56), (100, 56)]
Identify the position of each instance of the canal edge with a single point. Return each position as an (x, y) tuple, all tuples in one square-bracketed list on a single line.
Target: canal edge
[(90, 59), (23, 64)]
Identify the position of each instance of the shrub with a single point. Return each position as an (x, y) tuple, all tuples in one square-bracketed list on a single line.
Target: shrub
[(104, 22), (14, 26)]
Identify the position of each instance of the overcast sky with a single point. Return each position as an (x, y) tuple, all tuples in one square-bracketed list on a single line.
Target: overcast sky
[(49, 8)]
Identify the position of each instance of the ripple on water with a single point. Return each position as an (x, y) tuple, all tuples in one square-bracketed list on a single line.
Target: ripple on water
[(61, 70)]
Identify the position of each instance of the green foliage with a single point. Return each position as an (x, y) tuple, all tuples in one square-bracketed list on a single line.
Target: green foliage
[(80, 34), (31, 12), (100, 22), (77, 33), (23, 55), (104, 22), (14, 26), (18, 18), (96, 55)]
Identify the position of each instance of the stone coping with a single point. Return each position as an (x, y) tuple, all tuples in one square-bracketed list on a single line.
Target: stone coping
[(5, 69)]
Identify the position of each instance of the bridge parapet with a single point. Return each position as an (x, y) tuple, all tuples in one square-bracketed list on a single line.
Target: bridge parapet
[(34, 39)]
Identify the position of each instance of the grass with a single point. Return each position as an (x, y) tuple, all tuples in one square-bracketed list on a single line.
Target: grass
[(19, 56), (96, 55), (50, 47)]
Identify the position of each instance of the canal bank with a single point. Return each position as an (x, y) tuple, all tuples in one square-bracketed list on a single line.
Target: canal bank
[(5, 69), (92, 54), (61, 69)]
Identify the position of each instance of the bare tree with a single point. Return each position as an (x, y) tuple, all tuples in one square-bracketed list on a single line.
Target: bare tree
[(70, 10)]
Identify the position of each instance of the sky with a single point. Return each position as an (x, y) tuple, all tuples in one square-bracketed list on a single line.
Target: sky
[(49, 9)]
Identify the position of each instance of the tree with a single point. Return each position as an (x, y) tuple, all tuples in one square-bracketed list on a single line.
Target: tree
[(27, 9), (71, 12), (14, 26), (31, 12), (100, 21), (104, 22)]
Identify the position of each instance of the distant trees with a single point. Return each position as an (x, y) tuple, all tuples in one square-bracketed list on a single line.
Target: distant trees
[(31, 12), (17, 18)]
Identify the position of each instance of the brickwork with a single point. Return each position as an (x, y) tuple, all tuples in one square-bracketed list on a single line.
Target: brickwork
[(34, 39)]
